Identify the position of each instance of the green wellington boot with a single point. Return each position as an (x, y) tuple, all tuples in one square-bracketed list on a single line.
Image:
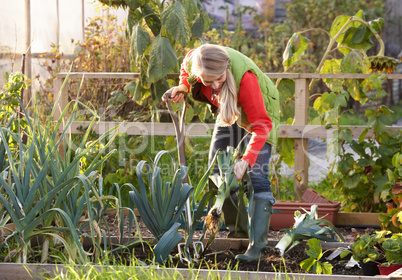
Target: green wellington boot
[(261, 217), (232, 213)]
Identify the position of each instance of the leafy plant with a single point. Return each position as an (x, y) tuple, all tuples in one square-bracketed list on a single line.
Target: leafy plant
[(308, 226), (367, 247), (382, 247), (313, 263), (363, 167), (392, 247)]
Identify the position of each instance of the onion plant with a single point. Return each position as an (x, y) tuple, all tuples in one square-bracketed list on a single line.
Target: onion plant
[(308, 226)]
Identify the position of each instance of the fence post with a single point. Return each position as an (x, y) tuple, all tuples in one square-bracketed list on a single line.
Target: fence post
[(301, 144)]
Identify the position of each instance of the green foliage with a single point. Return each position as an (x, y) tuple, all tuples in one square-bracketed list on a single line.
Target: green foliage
[(112, 269), (161, 48), (313, 263), (129, 150), (9, 99), (285, 189), (363, 167), (355, 36), (297, 44), (9, 113), (361, 181), (307, 14), (350, 34), (264, 46), (174, 19)]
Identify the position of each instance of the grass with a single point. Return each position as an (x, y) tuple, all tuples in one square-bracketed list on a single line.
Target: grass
[(137, 270)]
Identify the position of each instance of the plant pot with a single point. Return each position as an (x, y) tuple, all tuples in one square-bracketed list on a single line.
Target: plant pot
[(369, 268), (385, 270), (285, 219), (312, 196)]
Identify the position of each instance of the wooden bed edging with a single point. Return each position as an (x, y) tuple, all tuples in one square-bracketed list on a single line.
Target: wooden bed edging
[(36, 271), (357, 219), (18, 271)]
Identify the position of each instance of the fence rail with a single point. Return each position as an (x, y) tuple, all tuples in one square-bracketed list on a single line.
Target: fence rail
[(301, 131)]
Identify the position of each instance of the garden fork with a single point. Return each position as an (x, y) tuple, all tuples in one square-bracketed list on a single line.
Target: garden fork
[(179, 129)]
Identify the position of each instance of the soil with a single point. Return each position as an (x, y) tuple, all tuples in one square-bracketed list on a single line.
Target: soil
[(270, 262)]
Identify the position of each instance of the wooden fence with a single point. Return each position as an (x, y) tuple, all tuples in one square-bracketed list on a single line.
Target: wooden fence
[(300, 131)]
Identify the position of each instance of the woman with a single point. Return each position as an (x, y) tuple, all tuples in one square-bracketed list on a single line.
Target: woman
[(245, 100)]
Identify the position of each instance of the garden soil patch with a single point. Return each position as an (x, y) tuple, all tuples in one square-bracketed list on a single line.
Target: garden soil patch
[(270, 262)]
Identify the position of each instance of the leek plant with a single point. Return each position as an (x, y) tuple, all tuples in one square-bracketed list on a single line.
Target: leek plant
[(226, 182), (28, 196), (3, 158), (4, 217), (308, 226), (161, 204), (43, 192)]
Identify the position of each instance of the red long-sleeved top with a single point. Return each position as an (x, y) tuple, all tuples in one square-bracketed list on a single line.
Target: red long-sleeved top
[(250, 98)]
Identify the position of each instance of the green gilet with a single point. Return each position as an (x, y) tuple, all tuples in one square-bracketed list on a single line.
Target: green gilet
[(239, 65)]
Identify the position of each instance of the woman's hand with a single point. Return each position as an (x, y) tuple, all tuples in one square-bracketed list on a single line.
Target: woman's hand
[(240, 168), (175, 94)]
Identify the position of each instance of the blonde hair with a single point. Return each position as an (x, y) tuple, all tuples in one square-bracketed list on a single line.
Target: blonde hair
[(213, 60)]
